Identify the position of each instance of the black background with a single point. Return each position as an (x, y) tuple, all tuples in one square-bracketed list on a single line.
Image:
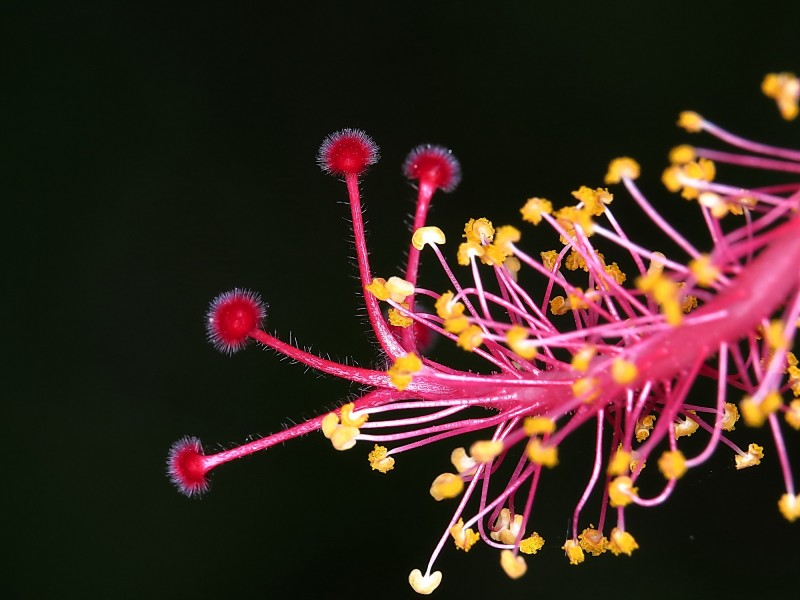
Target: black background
[(154, 155)]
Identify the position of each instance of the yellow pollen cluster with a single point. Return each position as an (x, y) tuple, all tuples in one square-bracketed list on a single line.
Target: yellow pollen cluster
[(623, 372), (594, 200), (704, 270), (531, 544), (505, 529), (470, 338), (586, 389), (427, 235), (395, 289), (534, 209), (751, 458), (479, 231), (792, 415), (774, 336), (730, 416), (570, 216), (540, 454), (784, 88), (538, 425), (620, 462), (622, 168), (755, 413), (379, 461), (790, 506), (672, 464), (517, 340), (621, 491), (582, 358), (675, 176), (464, 538), (463, 462), (398, 319), (514, 566), (665, 292), (403, 369), (573, 551), (486, 450), (468, 250), (342, 435), (446, 485), (680, 155), (424, 584), (686, 427), (549, 259), (621, 542), (690, 121), (593, 541), (452, 313), (644, 426)]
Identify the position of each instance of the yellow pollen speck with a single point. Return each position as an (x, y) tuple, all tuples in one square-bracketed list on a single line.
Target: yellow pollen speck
[(403, 369), (620, 463), (593, 541), (784, 88), (531, 544), (751, 458), (427, 235), (540, 454), (623, 372), (621, 491), (620, 168), (424, 584), (379, 461), (446, 485), (574, 552), (621, 542), (514, 566), (790, 506), (672, 464), (534, 209), (538, 425)]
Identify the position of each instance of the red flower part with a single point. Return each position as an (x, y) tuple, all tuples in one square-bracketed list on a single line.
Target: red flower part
[(347, 152), (232, 317), (434, 165), (186, 467)]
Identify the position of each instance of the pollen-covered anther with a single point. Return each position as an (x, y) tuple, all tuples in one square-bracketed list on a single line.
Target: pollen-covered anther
[(790, 507), (644, 426), (704, 270), (586, 389), (621, 491), (682, 154), (792, 414), (685, 427), (672, 464), (729, 417), (531, 544), (447, 308), (486, 450), (470, 338), (594, 200), (379, 461), (574, 552), (534, 208), (463, 462), (464, 539), (232, 317), (399, 289), (517, 340), (774, 335), (751, 458), (342, 437), (347, 152), (619, 463), (622, 168), (593, 541), (350, 418), (403, 369), (583, 358), (542, 454), (755, 413), (514, 566), (433, 165), (621, 542), (446, 485), (714, 202), (623, 372), (427, 235), (467, 251), (538, 425), (505, 529), (424, 584), (690, 121), (784, 88), (479, 231)]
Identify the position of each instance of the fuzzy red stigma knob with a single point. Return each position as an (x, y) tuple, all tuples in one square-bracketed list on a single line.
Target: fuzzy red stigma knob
[(186, 467), (434, 165), (232, 317), (347, 152)]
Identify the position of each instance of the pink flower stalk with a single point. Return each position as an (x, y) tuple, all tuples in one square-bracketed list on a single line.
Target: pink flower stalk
[(616, 341)]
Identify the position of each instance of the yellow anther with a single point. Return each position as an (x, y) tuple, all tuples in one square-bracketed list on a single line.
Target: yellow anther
[(686, 427), (403, 369), (657, 262), (616, 274), (784, 88), (505, 529), (424, 584), (574, 552), (774, 336), (534, 209), (594, 200), (540, 454), (739, 205), (463, 462), (682, 154), (344, 437), (379, 461), (593, 541), (470, 338), (665, 292), (690, 121), (704, 270), (329, 423), (621, 491), (792, 415), (486, 450), (538, 425), (577, 300), (464, 538), (754, 414), (730, 416), (574, 261), (398, 319), (586, 389), (446, 308), (672, 464), (790, 506), (493, 255), (643, 427), (569, 216), (531, 544), (378, 289), (622, 168), (688, 303), (794, 379), (517, 340), (479, 231), (621, 542), (714, 202), (751, 458), (619, 463), (468, 250), (351, 419), (623, 372), (514, 566), (582, 358), (559, 306), (399, 289), (446, 485), (427, 235), (504, 237), (513, 265), (456, 325), (549, 259)]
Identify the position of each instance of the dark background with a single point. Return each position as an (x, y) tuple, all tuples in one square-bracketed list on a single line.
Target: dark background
[(154, 155)]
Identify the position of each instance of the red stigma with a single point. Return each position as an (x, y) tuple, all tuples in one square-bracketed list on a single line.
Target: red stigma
[(434, 165), (232, 317), (186, 468), (347, 152)]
